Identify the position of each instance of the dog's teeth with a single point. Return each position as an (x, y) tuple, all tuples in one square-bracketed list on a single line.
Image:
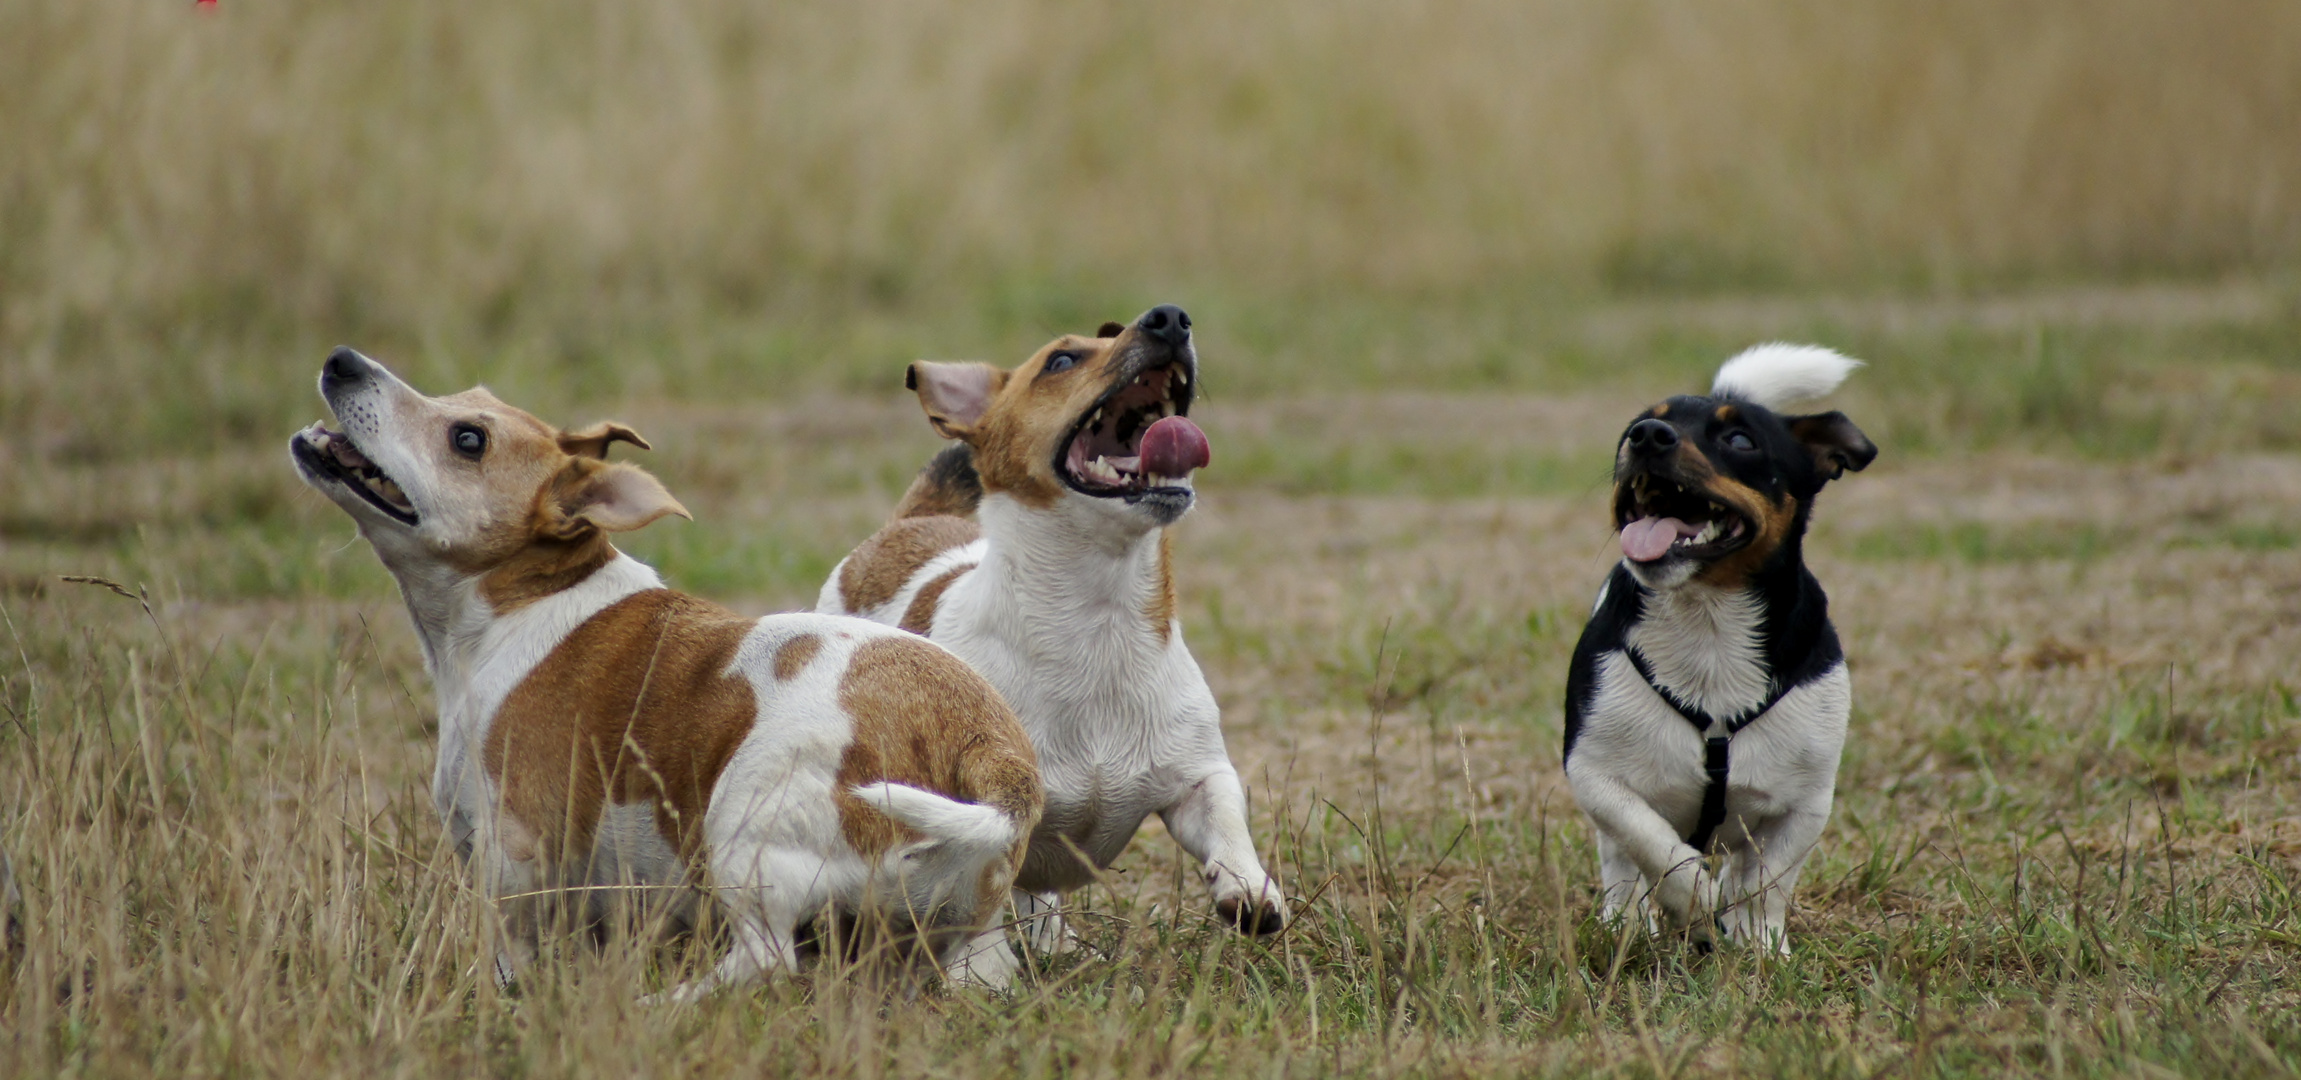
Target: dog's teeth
[(1101, 469), (1181, 377)]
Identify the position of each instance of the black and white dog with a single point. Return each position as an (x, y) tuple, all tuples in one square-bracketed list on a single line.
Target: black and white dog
[(1706, 706)]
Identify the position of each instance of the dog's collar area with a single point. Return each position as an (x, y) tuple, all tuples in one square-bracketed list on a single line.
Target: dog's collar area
[(1660, 518), (331, 454), (1111, 451), (1717, 738)]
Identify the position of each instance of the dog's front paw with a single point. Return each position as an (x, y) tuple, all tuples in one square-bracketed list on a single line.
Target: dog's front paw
[(1257, 917)]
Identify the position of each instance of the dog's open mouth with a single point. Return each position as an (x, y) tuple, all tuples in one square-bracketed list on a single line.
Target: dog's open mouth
[(1136, 440), (331, 454), (1660, 518)]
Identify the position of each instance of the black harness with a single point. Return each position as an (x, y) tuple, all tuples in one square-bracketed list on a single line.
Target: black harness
[(1714, 751)]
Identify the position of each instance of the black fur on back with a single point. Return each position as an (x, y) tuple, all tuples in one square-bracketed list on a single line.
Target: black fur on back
[(947, 485)]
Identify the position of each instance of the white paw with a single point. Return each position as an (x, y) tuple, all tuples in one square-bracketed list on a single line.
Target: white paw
[(1256, 911)]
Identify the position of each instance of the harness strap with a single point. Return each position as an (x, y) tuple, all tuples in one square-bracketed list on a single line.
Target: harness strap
[(1713, 794), (1715, 759)]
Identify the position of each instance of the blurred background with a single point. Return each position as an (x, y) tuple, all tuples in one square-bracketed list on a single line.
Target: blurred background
[(1437, 254), (706, 197)]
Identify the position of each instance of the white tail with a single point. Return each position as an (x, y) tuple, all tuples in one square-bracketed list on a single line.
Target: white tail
[(937, 876), (972, 827), (1778, 374)]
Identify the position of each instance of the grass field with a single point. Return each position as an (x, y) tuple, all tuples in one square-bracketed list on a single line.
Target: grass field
[(1437, 253), (2067, 843)]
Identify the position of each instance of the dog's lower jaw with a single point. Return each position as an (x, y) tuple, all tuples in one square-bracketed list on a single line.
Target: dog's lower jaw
[(1664, 574)]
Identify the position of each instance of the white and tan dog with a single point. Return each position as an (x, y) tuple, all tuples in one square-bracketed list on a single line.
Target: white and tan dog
[(1036, 551), (599, 731)]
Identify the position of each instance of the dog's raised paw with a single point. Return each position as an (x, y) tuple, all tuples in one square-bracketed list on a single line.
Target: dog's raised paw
[(1248, 917)]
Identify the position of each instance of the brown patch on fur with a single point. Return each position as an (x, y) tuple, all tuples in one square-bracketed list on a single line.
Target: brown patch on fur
[(1162, 602), (924, 718), (793, 655), (1661, 410), (635, 706), (920, 616), (1726, 414), (541, 569), (880, 566), (557, 545)]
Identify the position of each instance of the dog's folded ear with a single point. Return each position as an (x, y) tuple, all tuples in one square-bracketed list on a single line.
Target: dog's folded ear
[(591, 442), (954, 395), (1837, 445), (608, 498)]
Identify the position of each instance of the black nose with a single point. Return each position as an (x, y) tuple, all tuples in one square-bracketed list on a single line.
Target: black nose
[(1167, 323), (1652, 437), (345, 366)]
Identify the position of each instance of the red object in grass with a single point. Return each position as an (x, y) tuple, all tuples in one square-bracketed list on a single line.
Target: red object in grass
[(204, 5)]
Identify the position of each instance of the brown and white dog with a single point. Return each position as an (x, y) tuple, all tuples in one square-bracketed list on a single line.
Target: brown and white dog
[(599, 731), (1036, 550)]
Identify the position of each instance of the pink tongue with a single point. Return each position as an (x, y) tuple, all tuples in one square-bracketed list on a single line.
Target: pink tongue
[(1173, 447), (1648, 539)]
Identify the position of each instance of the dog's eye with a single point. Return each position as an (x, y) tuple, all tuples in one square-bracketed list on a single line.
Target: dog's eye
[(1062, 361), (1740, 440), (469, 441)]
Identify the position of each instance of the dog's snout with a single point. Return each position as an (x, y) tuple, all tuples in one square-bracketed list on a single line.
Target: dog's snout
[(1651, 437), (345, 366), (1167, 323)]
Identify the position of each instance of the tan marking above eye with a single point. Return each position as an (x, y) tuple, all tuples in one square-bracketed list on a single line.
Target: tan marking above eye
[(1662, 410), (1726, 414)]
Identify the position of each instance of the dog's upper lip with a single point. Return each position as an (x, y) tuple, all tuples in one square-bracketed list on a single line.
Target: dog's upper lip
[(1660, 517)]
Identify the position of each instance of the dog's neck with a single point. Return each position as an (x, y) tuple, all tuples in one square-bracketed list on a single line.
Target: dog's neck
[(1075, 577), (477, 653), (1725, 650), (1704, 644)]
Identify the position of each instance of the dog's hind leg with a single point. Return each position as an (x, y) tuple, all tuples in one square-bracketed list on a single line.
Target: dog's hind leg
[(984, 960), (768, 895), (759, 949)]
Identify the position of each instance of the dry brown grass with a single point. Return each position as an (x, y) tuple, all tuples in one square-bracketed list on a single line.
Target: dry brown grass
[(2067, 844), (1435, 251)]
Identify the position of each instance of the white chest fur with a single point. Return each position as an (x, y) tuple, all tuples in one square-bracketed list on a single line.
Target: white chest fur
[(1786, 758), (1057, 618), (1702, 643)]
